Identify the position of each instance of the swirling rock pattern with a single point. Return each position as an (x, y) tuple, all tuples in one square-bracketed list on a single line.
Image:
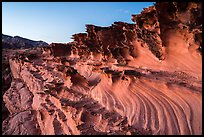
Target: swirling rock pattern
[(143, 78)]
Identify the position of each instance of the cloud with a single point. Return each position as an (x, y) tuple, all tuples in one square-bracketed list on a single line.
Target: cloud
[(123, 11)]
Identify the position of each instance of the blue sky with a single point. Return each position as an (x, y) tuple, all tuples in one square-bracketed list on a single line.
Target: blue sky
[(57, 21)]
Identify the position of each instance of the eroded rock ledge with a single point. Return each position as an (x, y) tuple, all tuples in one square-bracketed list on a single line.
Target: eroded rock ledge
[(142, 78)]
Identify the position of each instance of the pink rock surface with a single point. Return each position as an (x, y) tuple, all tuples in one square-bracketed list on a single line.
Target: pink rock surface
[(142, 78)]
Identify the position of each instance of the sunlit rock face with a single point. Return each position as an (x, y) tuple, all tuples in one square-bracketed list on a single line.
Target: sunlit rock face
[(125, 79)]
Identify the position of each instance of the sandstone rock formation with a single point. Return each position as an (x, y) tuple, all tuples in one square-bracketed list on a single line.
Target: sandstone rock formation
[(10, 47), (141, 78)]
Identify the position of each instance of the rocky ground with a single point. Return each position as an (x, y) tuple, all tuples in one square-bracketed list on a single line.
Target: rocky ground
[(125, 79)]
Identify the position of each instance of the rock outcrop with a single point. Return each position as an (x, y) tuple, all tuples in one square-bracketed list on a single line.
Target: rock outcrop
[(125, 79), (10, 47)]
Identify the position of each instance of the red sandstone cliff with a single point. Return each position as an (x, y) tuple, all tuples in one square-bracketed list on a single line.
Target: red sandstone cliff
[(141, 78)]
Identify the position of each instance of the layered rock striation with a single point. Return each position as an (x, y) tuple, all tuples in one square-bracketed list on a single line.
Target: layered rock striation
[(141, 78)]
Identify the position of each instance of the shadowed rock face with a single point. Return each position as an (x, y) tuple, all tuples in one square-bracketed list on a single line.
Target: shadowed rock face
[(184, 17), (142, 78), (148, 30)]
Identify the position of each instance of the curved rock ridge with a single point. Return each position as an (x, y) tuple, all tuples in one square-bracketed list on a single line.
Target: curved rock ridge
[(125, 79)]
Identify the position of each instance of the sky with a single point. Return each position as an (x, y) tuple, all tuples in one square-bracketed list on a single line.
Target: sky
[(58, 21)]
